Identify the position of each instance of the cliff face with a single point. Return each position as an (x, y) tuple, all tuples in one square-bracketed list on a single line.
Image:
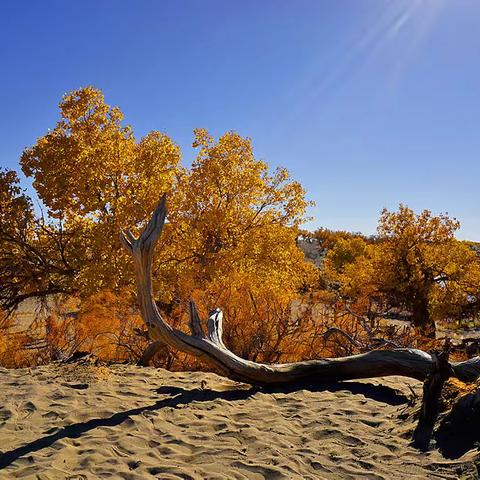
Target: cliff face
[(312, 250)]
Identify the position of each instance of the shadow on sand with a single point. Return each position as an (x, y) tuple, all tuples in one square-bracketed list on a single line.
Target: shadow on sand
[(179, 396), (459, 431)]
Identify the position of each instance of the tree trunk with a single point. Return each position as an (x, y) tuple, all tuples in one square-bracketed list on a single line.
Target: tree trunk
[(149, 353), (421, 317), (209, 346), (432, 390)]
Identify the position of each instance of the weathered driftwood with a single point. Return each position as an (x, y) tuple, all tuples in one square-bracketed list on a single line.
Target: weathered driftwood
[(209, 345), (432, 390)]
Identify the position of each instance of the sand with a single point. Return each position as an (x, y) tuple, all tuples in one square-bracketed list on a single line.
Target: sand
[(82, 422)]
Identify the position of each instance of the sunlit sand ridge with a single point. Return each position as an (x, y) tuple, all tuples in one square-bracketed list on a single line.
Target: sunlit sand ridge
[(133, 423)]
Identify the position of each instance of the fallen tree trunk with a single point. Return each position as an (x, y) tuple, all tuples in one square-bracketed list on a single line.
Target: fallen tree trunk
[(209, 346)]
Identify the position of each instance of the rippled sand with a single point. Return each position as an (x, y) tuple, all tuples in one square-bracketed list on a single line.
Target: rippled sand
[(73, 421)]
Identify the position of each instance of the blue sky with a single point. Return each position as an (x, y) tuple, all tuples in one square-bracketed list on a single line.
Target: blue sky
[(368, 103)]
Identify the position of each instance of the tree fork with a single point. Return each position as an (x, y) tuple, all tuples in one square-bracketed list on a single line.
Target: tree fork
[(210, 348)]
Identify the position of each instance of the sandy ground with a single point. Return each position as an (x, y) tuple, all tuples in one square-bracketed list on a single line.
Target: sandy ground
[(82, 422)]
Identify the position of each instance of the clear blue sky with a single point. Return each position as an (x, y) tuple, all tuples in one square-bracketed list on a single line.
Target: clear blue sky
[(368, 103)]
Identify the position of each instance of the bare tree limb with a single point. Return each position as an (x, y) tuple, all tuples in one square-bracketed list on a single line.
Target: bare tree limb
[(406, 362)]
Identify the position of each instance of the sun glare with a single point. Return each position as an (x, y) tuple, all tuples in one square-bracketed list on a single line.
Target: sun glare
[(402, 25)]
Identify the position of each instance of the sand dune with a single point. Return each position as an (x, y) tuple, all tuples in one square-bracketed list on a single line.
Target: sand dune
[(82, 422)]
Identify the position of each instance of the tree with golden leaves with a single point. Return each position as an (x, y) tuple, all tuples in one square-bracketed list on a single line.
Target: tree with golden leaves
[(417, 264), (232, 241), (93, 175), (231, 219), (35, 254)]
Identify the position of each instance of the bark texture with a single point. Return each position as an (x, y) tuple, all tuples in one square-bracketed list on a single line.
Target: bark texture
[(208, 345), (432, 390)]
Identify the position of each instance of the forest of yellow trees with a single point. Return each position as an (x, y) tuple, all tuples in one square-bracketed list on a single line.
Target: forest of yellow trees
[(231, 241)]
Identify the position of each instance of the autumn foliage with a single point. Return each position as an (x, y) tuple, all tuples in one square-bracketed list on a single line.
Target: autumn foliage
[(415, 265), (230, 241)]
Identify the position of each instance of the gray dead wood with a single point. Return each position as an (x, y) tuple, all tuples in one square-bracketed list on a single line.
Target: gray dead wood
[(209, 346), (432, 390)]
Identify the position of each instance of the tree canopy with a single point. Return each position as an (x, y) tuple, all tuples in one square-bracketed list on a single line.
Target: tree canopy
[(232, 220), (230, 240), (416, 264)]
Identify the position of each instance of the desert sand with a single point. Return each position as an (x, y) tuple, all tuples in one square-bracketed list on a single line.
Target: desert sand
[(80, 422)]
